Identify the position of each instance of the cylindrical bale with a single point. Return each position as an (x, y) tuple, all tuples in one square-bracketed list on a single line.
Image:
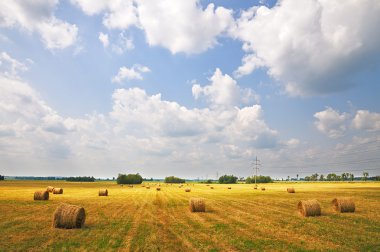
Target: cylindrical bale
[(187, 190), (147, 187), (262, 188), (41, 195), (103, 192), (58, 191), (197, 205), (309, 208), (344, 205), (291, 190), (229, 187), (158, 188), (255, 188), (69, 216), (211, 187), (50, 189)]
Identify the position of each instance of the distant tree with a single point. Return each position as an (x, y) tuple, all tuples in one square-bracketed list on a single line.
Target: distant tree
[(321, 177), (173, 179), (259, 179), (297, 176), (352, 177), (307, 178), (228, 179), (129, 179), (331, 177), (80, 179), (2, 177), (343, 176), (365, 175), (209, 181), (314, 177), (288, 178)]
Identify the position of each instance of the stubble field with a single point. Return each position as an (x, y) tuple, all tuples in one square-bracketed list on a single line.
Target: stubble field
[(140, 219)]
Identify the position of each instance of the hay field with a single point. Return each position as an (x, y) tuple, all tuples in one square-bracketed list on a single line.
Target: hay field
[(140, 219)]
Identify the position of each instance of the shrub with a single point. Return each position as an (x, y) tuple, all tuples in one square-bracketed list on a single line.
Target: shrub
[(173, 179), (81, 179), (129, 179), (1, 177), (228, 179), (259, 179)]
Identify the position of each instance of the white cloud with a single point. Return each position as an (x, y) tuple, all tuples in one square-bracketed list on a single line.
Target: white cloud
[(331, 123), (123, 44), (119, 14), (311, 46), (10, 66), (38, 16), (365, 120), (182, 26), (174, 25), (133, 73), (104, 39), (223, 91)]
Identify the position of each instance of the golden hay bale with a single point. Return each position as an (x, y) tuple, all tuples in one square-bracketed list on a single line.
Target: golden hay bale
[(344, 205), (58, 191), (255, 188), (207, 185), (148, 187), (142, 185), (291, 190), (229, 187), (103, 192), (309, 208), (197, 205), (41, 195), (50, 189), (69, 216), (262, 188), (158, 188), (187, 190)]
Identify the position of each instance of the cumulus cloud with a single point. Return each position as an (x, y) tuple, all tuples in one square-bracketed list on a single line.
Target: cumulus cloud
[(104, 39), (331, 122), (170, 24), (38, 16), (133, 73), (223, 91), (122, 44), (312, 46), (365, 120), (10, 66)]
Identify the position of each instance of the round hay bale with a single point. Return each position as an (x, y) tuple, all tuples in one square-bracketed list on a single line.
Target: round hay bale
[(41, 195), (158, 188), (197, 205), (58, 191), (69, 216), (211, 187), (187, 190), (255, 188), (50, 189), (309, 208), (147, 187), (229, 187), (262, 188), (103, 192), (291, 190), (344, 205), (143, 186), (207, 185)]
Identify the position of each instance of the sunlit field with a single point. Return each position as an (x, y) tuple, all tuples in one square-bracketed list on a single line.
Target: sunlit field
[(140, 219)]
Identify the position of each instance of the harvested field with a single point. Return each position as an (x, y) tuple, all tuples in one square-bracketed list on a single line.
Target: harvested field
[(241, 219)]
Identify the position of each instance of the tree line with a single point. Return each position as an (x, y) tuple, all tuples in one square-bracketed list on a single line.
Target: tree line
[(80, 179)]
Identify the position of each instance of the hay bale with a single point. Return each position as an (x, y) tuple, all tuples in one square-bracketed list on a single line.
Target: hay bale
[(255, 188), (211, 187), (262, 188), (344, 205), (148, 187), (158, 188), (41, 195), (103, 192), (142, 185), (69, 216), (197, 205), (291, 190), (58, 191), (187, 190), (309, 208), (50, 189), (207, 185), (229, 187)]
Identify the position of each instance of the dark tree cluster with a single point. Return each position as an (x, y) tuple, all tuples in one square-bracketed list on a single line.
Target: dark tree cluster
[(129, 179), (80, 179), (172, 179), (259, 179), (2, 177), (228, 179)]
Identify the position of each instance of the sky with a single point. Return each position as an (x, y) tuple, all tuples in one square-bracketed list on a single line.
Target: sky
[(190, 88)]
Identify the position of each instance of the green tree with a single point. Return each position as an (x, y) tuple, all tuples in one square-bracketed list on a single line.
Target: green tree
[(228, 179), (2, 177), (173, 179), (321, 177), (365, 175), (352, 177), (297, 176), (259, 179), (129, 179)]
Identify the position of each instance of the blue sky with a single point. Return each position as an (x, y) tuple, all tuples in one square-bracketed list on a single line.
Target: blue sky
[(189, 88)]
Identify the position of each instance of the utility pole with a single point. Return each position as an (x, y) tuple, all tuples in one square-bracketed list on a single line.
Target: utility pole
[(256, 167)]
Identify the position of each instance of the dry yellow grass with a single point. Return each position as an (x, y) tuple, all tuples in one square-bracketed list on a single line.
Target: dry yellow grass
[(242, 219)]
